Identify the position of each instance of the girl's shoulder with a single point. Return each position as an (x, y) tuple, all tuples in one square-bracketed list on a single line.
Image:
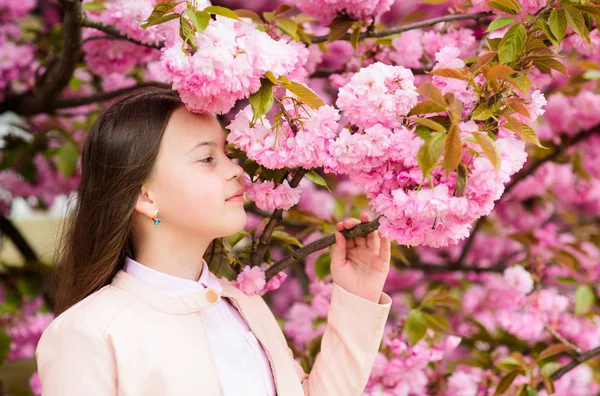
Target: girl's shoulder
[(94, 313)]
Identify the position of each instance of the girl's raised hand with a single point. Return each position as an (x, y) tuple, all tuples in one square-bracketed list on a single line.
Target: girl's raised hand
[(360, 265)]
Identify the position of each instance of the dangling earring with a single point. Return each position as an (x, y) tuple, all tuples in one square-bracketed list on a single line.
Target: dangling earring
[(155, 218)]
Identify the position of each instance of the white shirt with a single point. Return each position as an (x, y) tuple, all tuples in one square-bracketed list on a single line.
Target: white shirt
[(242, 364)]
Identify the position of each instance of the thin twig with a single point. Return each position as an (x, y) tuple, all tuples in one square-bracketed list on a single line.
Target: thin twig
[(274, 221), (114, 32), (410, 26), (577, 360)]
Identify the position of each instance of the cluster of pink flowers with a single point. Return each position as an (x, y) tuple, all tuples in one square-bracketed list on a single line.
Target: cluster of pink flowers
[(381, 156), (230, 60), (15, 9), (572, 114), (326, 10), (252, 280), (404, 369), (17, 66), (277, 146), (104, 57), (128, 16), (378, 94), (49, 182), (25, 330), (268, 197)]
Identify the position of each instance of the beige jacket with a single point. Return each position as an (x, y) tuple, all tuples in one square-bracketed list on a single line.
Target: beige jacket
[(131, 339)]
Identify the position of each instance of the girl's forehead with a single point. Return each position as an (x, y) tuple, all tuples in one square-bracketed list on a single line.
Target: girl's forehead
[(185, 129)]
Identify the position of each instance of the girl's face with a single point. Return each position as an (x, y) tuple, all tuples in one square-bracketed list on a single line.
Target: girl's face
[(193, 178)]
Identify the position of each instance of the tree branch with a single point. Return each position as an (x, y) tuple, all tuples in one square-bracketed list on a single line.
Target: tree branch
[(103, 96), (58, 76), (410, 26), (9, 229), (360, 230), (114, 32), (276, 217), (577, 360)]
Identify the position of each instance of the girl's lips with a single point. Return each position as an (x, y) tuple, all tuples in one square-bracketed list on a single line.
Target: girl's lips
[(237, 198)]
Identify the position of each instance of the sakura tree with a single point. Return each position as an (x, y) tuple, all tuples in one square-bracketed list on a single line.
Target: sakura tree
[(467, 128)]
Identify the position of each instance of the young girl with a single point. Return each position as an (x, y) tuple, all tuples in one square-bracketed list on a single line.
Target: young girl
[(139, 312)]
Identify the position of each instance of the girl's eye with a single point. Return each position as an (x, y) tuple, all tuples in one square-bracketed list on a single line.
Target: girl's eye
[(207, 160)]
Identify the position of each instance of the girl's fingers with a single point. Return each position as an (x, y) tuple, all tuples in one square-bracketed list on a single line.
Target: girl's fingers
[(385, 248), (340, 246), (373, 241)]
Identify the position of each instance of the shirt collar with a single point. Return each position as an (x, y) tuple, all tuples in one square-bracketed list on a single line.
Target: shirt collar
[(172, 285)]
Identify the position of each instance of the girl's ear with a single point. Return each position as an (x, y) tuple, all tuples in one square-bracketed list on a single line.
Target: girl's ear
[(145, 204)]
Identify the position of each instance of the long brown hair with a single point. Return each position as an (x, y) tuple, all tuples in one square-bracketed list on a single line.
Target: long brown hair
[(118, 155)]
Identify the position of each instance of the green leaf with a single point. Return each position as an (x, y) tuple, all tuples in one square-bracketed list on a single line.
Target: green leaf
[(354, 37), (159, 12), (549, 368), (508, 363), (529, 135), (288, 26), (261, 100), (426, 107), (506, 382), (590, 9), (439, 322), (553, 350), (585, 298), (430, 152), (5, 342), (482, 113), (512, 43), (94, 6), (489, 148), (523, 84), (67, 159), (317, 179), (306, 94), (27, 287), (499, 24), (415, 326), (323, 265), (284, 237), (509, 6), (200, 19), (159, 20), (223, 11), (591, 75), (551, 64), (242, 13), (187, 33), (452, 149), (577, 22), (430, 124), (558, 24)]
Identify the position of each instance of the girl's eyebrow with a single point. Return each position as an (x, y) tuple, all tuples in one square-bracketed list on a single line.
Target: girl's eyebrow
[(203, 143)]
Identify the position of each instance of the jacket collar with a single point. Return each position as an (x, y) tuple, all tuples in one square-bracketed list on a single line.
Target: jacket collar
[(177, 305)]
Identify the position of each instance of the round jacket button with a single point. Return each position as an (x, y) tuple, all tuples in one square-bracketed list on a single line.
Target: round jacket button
[(212, 296)]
